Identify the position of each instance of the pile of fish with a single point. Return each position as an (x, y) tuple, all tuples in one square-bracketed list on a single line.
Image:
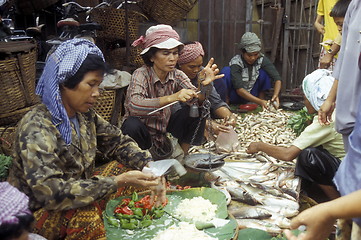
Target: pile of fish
[(262, 191)]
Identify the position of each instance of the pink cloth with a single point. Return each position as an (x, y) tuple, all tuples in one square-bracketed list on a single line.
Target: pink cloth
[(158, 36), (190, 52), (13, 203)]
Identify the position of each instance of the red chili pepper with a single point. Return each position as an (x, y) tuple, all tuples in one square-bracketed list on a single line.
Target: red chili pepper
[(124, 210), (165, 203), (125, 201)]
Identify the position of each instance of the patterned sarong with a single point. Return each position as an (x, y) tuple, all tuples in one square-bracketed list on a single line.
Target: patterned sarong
[(84, 223)]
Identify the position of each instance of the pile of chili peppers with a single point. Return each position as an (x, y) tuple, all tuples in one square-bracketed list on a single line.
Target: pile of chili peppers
[(135, 213)]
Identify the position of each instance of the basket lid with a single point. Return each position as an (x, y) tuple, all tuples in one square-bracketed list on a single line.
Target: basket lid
[(17, 46)]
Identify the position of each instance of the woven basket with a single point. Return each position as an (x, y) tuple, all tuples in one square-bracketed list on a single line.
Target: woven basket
[(117, 58), (7, 137), (109, 105), (30, 6), (17, 76), (12, 118), (167, 11), (113, 22), (105, 104)]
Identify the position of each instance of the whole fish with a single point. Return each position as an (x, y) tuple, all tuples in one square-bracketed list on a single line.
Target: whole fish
[(259, 224), (241, 195), (246, 211)]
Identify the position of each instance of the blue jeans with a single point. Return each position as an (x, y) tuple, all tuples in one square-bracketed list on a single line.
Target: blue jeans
[(226, 90)]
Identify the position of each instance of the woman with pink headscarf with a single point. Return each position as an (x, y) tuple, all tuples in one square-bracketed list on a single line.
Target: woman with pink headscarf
[(157, 84), (191, 63)]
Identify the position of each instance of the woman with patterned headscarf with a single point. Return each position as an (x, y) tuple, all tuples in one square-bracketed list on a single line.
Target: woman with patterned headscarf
[(318, 149), (190, 61), (157, 84), (15, 217), (56, 146)]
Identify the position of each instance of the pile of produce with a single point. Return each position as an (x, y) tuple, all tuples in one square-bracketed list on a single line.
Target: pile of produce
[(133, 213)]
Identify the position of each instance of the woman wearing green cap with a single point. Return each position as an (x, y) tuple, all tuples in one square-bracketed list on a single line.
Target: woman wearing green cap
[(249, 75)]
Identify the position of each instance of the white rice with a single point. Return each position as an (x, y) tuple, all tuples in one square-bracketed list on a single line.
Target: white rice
[(196, 209), (183, 231)]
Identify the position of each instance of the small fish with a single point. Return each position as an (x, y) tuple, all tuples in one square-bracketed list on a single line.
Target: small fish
[(259, 224), (242, 195), (245, 211)]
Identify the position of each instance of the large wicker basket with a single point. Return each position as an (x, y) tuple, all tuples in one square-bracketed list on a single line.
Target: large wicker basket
[(167, 11), (17, 76), (113, 22), (109, 105)]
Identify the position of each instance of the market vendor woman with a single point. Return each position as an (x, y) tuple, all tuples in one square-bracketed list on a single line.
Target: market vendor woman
[(249, 75), (56, 145), (157, 84)]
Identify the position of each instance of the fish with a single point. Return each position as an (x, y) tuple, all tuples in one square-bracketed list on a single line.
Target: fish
[(252, 212), (259, 224), (241, 195), (284, 211)]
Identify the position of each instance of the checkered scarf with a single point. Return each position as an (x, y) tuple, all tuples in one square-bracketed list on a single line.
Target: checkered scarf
[(190, 52), (13, 203), (60, 66)]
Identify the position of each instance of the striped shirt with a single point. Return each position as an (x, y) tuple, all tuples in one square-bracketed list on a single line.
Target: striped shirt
[(143, 94)]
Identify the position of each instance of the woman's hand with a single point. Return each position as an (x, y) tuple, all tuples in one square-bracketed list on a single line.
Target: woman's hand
[(275, 101), (263, 104), (325, 112), (320, 28), (231, 120), (318, 222), (252, 148), (185, 95), (136, 178), (158, 192), (217, 128), (209, 73)]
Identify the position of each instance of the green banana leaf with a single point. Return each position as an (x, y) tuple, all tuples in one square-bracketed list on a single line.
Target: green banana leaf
[(257, 234), (225, 232)]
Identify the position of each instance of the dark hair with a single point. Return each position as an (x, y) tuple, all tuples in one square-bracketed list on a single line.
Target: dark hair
[(91, 63), (148, 55), (340, 8), (10, 231)]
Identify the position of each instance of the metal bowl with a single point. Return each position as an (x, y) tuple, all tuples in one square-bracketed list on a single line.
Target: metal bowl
[(204, 162)]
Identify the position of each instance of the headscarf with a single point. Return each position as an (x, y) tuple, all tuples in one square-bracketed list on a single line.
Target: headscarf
[(250, 42), (160, 36), (13, 203), (190, 52), (316, 87), (61, 65)]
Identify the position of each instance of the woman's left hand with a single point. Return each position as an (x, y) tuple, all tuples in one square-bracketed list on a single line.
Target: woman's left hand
[(158, 192), (231, 120), (210, 72)]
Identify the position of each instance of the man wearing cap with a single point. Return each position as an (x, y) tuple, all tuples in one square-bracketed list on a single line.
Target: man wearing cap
[(157, 84), (249, 75)]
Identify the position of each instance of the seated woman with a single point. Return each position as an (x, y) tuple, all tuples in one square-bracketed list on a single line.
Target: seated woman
[(319, 149), (249, 75), (157, 84), (15, 219), (56, 145), (190, 61)]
